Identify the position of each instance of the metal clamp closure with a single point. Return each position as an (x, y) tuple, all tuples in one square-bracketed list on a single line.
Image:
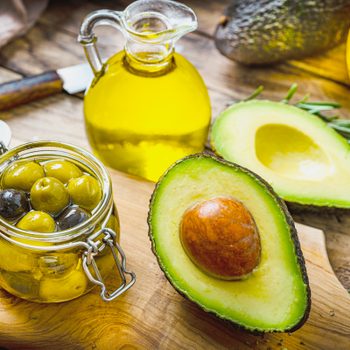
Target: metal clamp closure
[(95, 247)]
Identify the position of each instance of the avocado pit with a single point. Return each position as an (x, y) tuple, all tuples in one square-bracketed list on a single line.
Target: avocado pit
[(220, 236)]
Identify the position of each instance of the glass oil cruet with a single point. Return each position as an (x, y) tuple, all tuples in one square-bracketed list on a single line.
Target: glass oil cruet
[(147, 105)]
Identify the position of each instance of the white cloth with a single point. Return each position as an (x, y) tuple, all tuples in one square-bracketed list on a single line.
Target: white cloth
[(17, 16)]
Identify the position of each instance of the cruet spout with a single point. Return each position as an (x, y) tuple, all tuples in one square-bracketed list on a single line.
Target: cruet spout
[(150, 27), (159, 21)]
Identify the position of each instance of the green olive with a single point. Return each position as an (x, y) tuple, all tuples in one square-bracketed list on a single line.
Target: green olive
[(85, 191), (62, 170), (22, 175), (49, 194), (37, 221), (66, 287)]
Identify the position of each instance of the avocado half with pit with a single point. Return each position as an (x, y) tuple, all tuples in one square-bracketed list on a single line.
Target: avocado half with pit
[(303, 159), (226, 241)]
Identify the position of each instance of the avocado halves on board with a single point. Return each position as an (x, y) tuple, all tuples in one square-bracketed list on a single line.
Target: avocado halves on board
[(269, 31)]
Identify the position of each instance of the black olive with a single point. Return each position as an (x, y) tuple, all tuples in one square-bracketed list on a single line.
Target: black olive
[(71, 217), (13, 204)]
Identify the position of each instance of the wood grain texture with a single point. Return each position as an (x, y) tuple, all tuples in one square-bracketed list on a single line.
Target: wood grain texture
[(153, 316)]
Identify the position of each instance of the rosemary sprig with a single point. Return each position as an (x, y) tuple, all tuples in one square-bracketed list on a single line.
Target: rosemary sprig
[(342, 126), (329, 104), (291, 92), (255, 93)]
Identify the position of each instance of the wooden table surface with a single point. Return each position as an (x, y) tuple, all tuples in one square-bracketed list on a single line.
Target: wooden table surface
[(52, 43)]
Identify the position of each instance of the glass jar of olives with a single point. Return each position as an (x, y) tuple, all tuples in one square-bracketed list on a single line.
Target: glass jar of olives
[(59, 227)]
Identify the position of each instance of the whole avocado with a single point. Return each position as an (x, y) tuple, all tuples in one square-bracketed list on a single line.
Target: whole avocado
[(265, 31)]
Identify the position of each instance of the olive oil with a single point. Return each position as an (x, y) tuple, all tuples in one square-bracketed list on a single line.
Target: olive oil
[(141, 121), (147, 106)]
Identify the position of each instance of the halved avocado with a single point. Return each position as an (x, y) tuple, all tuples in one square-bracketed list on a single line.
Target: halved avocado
[(303, 159), (275, 296)]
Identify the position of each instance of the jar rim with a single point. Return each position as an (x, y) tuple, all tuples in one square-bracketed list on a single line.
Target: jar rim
[(69, 151)]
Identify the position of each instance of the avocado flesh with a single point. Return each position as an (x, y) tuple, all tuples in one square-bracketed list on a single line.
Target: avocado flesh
[(268, 31), (276, 296), (304, 160)]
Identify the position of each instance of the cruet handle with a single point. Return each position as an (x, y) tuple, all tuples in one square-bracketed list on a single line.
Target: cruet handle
[(88, 38)]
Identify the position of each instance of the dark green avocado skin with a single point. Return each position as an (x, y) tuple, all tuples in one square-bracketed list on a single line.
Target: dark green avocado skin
[(294, 236), (270, 31), (297, 208)]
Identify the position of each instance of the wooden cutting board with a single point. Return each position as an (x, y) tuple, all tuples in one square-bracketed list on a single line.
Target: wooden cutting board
[(152, 315)]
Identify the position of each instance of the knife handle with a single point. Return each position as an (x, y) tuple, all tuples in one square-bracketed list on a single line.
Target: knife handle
[(18, 92)]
